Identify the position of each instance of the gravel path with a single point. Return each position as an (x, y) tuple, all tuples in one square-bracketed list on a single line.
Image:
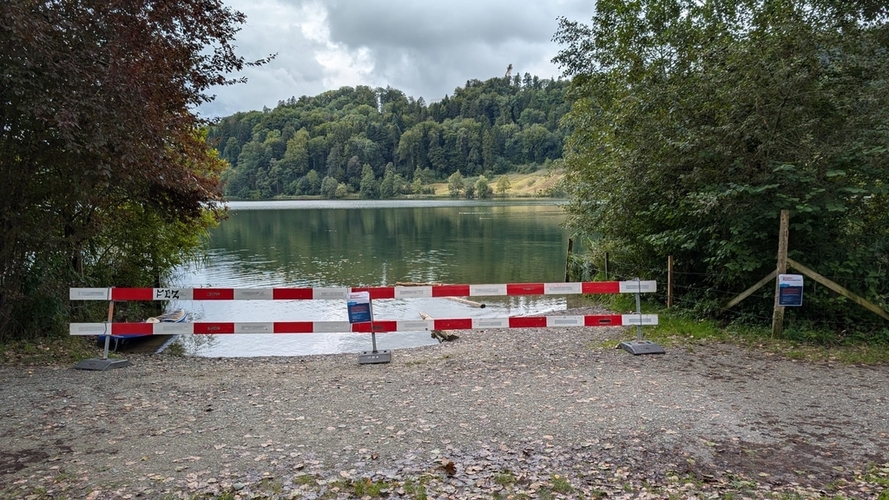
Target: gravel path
[(531, 413)]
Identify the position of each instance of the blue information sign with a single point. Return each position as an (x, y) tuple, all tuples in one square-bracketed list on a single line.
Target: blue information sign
[(790, 290), (359, 307)]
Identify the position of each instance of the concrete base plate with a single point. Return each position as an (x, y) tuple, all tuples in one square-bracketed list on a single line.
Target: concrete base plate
[(99, 364), (641, 347), (370, 357)]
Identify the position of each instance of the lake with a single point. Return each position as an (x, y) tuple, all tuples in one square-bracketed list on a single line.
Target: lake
[(371, 243)]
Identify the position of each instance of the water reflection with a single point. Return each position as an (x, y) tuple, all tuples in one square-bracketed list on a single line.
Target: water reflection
[(329, 243)]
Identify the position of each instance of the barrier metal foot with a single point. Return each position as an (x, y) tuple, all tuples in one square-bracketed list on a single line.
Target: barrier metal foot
[(641, 347), (99, 364), (373, 357)]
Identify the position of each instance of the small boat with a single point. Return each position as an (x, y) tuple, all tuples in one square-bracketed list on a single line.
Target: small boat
[(177, 316)]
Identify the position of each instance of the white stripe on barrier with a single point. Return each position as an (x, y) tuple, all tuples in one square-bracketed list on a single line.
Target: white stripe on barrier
[(415, 325), (88, 328), (173, 293), (490, 323), (253, 294), (173, 328), (487, 290), (562, 288), (412, 292), (331, 326), (639, 319), (257, 327), (89, 294), (564, 321), (330, 293), (638, 286)]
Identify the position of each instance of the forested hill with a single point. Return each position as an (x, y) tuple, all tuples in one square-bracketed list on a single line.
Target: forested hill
[(351, 139)]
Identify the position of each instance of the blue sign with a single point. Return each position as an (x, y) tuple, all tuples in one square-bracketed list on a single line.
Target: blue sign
[(359, 307), (790, 290)]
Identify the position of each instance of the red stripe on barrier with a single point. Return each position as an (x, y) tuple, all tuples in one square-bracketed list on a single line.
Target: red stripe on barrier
[(213, 294), (213, 328), (294, 327), (524, 289), (375, 326), (600, 287), (132, 294), (603, 320), (292, 294), (453, 324), (132, 328), (450, 291), (528, 322), (378, 292)]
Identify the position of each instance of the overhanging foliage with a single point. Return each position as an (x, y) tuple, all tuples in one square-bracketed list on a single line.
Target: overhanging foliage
[(100, 156), (695, 123)]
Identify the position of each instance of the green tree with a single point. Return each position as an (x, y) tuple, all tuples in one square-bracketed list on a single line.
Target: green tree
[(370, 187), (503, 185), (695, 123), (455, 184), (314, 181), (96, 131), (468, 189), (483, 188), (328, 187), (388, 189)]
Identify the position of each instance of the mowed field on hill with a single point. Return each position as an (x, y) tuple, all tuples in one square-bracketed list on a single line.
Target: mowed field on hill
[(535, 184)]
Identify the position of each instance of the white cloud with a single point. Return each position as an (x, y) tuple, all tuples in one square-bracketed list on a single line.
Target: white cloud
[(422, 48)]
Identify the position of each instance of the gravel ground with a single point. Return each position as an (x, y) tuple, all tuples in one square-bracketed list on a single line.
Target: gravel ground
[(529, 413)]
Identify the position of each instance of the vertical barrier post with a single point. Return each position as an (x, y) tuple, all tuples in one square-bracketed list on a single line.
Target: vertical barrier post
[(108, 337), (360, 308), (103, 363), (640, 346)]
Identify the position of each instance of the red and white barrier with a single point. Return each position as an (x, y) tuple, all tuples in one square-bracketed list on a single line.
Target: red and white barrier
[(217, 328), (382, 292)]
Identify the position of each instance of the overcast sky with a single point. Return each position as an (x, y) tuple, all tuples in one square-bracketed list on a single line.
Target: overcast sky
[(423, 48)]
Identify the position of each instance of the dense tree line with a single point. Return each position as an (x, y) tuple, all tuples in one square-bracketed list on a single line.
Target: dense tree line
[(382, 143), (695, 123), (106, 175)]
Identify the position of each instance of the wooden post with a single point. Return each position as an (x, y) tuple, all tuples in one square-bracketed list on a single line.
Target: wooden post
[(669, 281), (778, 313), (854, 297), (606, 266), (568, 259)]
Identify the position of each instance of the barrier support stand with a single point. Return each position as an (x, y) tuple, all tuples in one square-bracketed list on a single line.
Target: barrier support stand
[(640, 346), (102, 364), (374, 356), (355, 312)]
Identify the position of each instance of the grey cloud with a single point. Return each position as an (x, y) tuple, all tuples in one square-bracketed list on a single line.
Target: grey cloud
[(425, 49)]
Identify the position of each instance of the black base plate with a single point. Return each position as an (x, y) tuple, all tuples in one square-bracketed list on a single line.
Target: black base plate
[(641, 347), (101, 365), (371, 357)]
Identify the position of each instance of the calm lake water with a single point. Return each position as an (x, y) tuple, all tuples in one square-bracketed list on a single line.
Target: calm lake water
[(361, 243)]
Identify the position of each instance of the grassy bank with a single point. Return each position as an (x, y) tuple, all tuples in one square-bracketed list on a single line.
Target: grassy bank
[(675, 330)]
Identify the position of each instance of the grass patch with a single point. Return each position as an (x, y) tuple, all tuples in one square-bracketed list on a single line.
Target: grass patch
[(304, 479), (561, 484), (505, 478), (57, 351), (676, 329), (373, 489), (417, 491)]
